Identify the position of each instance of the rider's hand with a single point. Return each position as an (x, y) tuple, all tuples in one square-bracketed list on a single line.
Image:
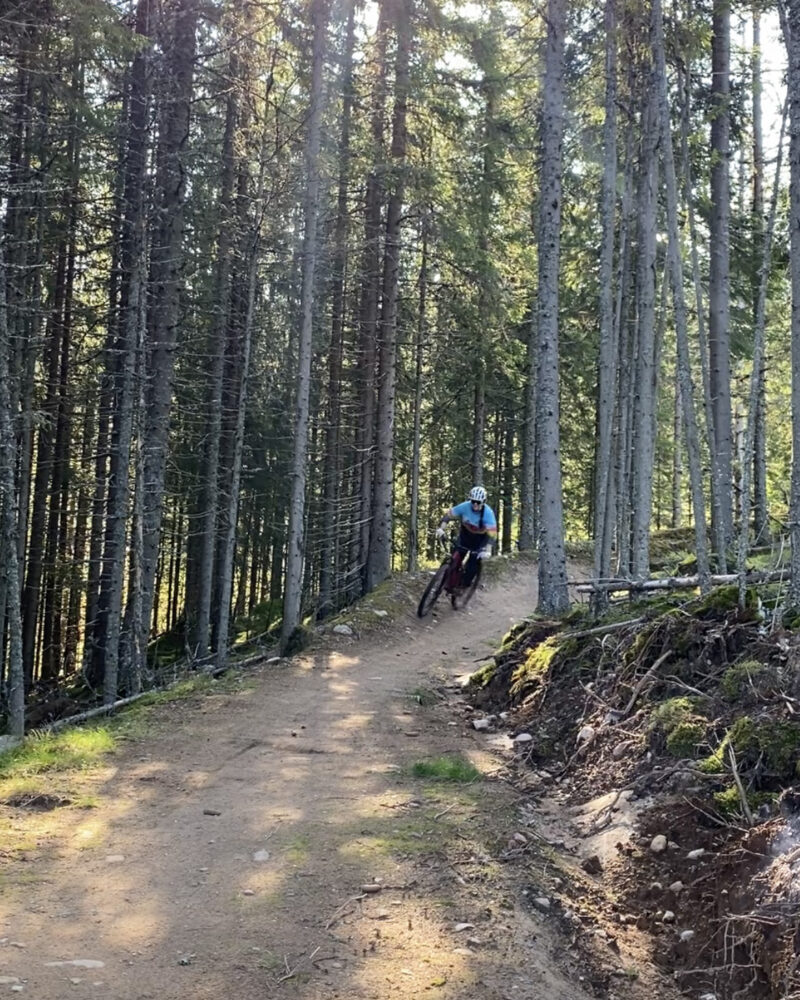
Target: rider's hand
[(441, 534)]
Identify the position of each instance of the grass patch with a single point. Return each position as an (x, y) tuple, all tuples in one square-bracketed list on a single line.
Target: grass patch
[(424, 697), (70, 750), (456, 769)]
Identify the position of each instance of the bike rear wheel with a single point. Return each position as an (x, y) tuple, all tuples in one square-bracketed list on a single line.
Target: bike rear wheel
[(461, 598), (432, 591)]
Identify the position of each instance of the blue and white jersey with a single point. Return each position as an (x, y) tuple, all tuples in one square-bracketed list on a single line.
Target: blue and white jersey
[(475, 522)]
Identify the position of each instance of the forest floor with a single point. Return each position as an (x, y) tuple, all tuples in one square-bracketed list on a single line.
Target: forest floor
[(330, 826)]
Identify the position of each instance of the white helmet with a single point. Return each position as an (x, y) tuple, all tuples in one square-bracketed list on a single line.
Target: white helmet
[(478, 494)]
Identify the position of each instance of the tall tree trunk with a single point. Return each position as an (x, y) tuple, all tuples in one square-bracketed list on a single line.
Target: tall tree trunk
[(379, 565), (760, 509), (130, 316), (370, 292), (178, 30), (226, 243), (14, 672), (553, 595), (608, 359), (528, 479), (719, 264), (292, 596), (679, 304), (643, 444), (328, 600), (416, 441), (792, 35), (757, 375)]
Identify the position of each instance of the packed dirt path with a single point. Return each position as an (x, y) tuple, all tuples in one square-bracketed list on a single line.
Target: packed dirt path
[(226, 853)]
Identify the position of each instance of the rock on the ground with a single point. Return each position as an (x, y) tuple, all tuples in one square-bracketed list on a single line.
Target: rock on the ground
[(542, 903), (481, 724), (523, 738), (592, 865), (696, 854), (669, 917), (342, 630), (586, 733), (658, 844)]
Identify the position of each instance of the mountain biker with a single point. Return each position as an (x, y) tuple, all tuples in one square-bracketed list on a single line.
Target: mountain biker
[(478, 523)]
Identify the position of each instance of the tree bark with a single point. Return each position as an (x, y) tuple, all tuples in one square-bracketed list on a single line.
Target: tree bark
[(608, 363), (719, 264), (14, 672), (292, 597), (553, 595), (679, 303), (379, 564), (178, 30)]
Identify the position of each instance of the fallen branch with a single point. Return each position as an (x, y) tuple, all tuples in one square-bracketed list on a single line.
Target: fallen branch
[(642, 681), (293, 972), (739, 786), (674, 582)]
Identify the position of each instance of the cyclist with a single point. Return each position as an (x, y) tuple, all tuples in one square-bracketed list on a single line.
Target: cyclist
[(478, 523)]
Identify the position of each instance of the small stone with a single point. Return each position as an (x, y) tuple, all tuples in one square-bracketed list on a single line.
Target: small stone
[(676, 886), (481, 724), (261, 856), (669, 917), (696, 854), (371, 887), (523, 738), (342, 630), (586, 733), (379, 612), (520, 838), (686, 935), (114, 859), (658, 844), (592, 865), (248, 892), (621, 749), (542, 903), (463, 927)]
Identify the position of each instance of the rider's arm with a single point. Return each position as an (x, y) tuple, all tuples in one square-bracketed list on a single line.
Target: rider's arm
[(449, 515)]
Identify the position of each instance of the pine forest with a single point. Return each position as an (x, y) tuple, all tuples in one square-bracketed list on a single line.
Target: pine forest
[(280, 282)]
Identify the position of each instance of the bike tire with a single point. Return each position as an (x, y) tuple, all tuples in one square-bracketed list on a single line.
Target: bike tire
[(432, 591), (461, 599)]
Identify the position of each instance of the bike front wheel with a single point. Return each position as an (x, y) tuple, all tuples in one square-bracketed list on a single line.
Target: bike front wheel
[(460, 599), (432, 591)]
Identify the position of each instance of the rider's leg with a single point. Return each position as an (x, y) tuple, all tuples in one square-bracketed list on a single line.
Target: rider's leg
[(470, 568), (455, 569)]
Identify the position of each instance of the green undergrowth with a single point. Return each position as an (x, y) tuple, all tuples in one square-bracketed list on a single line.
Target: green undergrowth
[(677, 677)]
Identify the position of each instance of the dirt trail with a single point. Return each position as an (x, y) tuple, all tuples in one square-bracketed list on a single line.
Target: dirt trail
[(225, 854)]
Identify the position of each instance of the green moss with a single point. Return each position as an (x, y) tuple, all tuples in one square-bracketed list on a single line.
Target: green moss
[(780, 743), (685, 738), (535, 665), (482, 677), (729, 803), (673, 712), (737, 677)]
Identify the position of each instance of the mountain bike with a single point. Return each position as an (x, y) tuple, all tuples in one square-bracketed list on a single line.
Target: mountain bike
[(450, 579)]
